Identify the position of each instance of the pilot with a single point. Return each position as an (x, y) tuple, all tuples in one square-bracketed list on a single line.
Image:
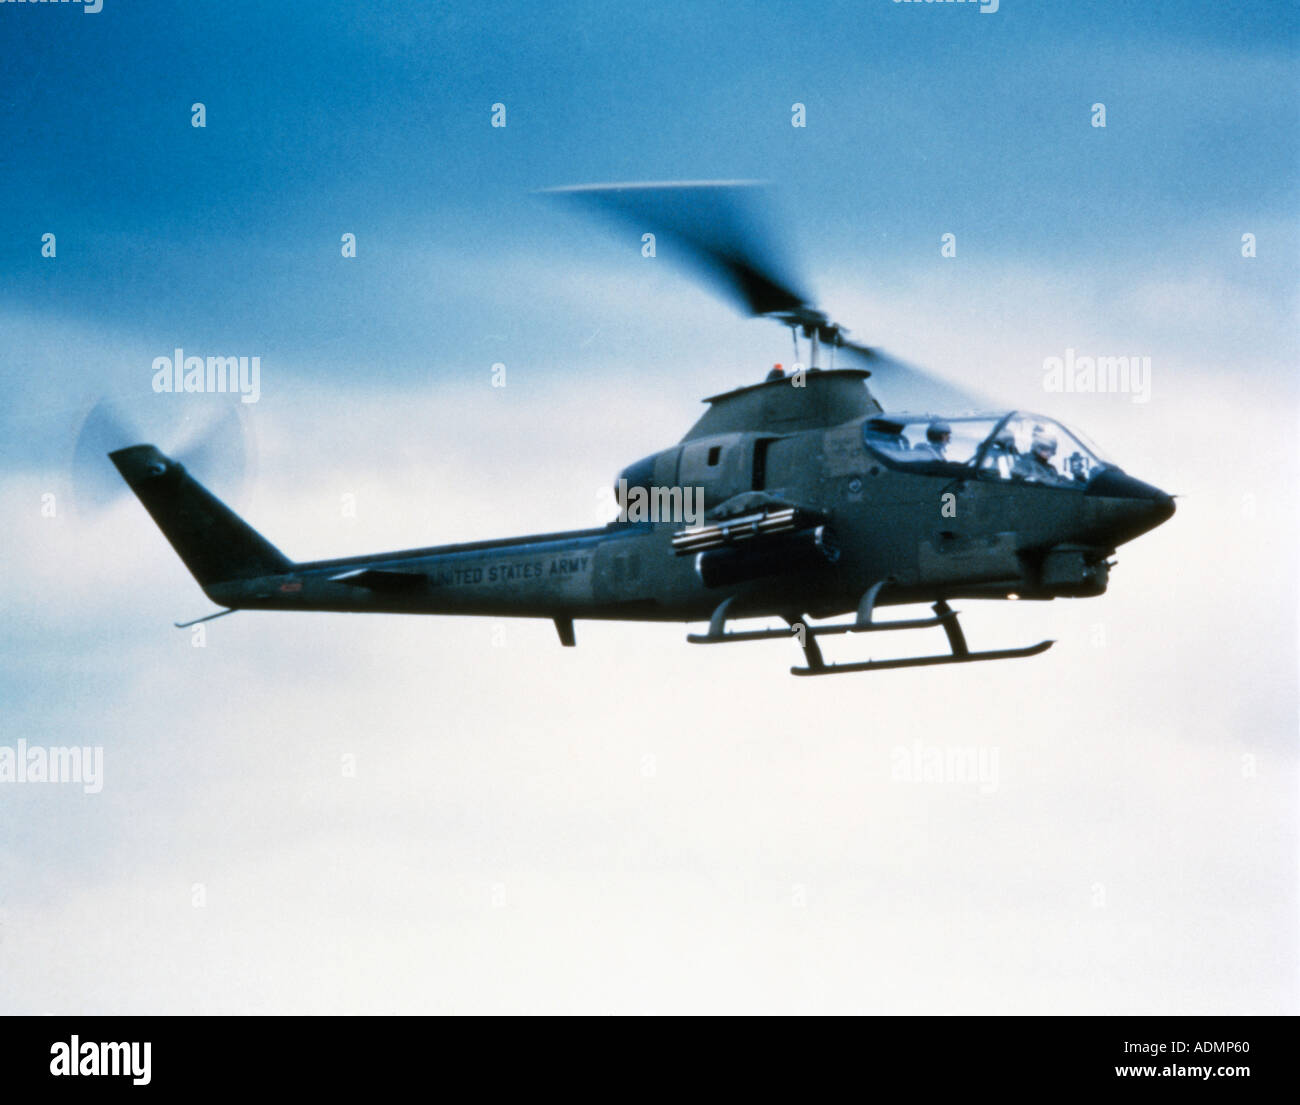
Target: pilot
[(937, 436), (1036, 465), (1001, 455), (1078, 466)]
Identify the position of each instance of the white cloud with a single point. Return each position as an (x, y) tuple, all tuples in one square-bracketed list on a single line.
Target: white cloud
[(637, 824)]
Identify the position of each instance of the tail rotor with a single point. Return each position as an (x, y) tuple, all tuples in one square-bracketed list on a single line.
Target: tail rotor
[(214, 440)]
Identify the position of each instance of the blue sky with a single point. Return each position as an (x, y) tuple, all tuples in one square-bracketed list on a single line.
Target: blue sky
[(374, 119), (503, 790)]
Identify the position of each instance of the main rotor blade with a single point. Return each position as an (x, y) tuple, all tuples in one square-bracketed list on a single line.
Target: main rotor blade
[(716, 226), (900, 386)]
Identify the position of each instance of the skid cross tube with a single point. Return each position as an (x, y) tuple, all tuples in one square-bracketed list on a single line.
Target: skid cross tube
[(812, 651), (863, 623)]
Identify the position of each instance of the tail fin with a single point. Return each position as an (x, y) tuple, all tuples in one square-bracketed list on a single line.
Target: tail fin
[(213, 541)]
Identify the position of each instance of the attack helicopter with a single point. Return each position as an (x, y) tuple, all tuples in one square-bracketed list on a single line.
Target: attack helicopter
[(812, 500)]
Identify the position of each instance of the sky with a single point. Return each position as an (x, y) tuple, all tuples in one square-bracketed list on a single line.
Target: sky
[(327, 813)]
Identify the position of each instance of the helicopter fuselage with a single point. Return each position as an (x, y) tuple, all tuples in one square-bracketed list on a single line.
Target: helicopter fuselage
[(926, 532)]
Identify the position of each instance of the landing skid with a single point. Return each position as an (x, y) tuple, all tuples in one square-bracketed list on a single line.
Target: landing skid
[(865, 622), (922, 661)]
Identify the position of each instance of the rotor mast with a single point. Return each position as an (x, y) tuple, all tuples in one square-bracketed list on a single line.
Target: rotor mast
[(816, 327)]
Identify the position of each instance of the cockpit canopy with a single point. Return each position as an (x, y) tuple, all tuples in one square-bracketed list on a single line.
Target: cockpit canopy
[(1015, 446)]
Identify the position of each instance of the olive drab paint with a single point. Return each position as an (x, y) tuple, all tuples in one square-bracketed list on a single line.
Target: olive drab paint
[(801, 516)]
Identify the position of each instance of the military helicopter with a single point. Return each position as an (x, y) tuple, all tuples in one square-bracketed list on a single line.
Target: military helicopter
[(811, 500)]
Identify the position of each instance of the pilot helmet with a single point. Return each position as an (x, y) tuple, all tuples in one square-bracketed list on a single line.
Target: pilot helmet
[(1044, 441), (938, 432)]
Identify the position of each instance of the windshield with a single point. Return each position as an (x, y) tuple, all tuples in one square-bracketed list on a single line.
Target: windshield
[(908, 440), (1039, 450), (1016, 446)]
